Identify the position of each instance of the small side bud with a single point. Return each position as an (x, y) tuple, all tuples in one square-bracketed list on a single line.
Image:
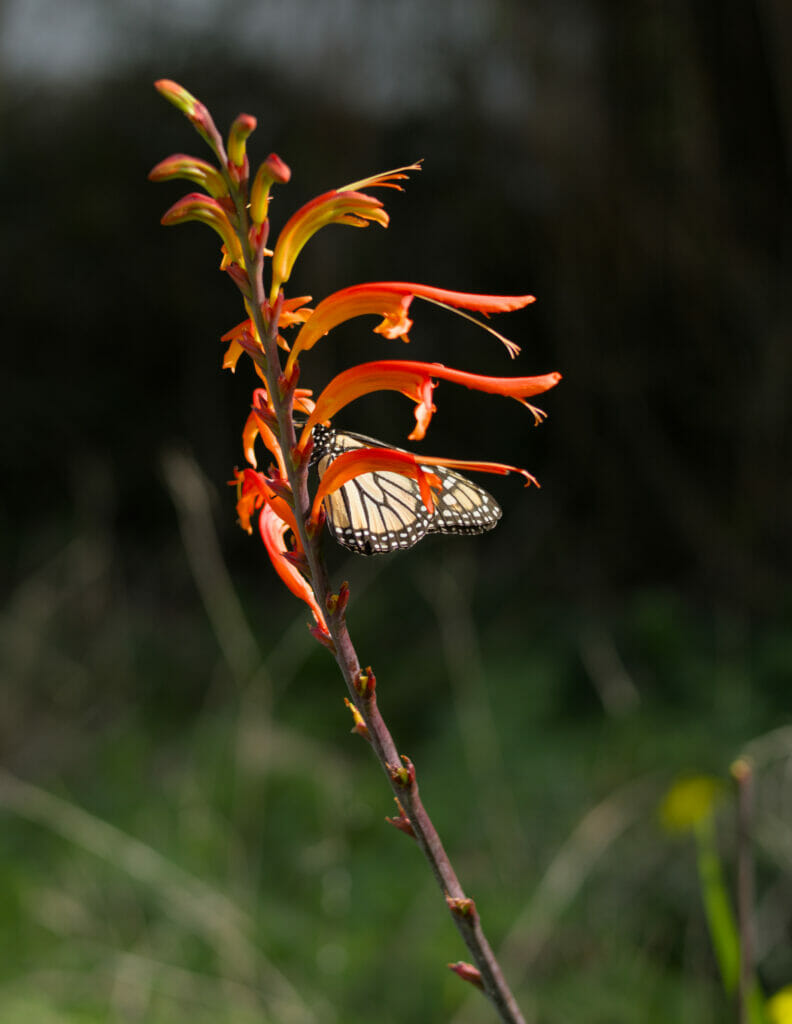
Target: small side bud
[(461, 906), (238, 276), (402, 822), (467, 972), (322, 636), (360, 726), (288, 383), (299, 561), (282, 489), (314, 526), (258, 235), (343, 597), (403, 774), (366, 683)]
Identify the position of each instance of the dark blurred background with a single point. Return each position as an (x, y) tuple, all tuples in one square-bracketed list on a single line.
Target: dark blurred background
[(629, 164)]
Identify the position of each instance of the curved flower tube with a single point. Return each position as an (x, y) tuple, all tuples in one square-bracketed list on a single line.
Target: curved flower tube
[(355, 209), (415, 380), (471, 466), (197, 206), (180, 165), (273, 533), (345, 205), (391, 300), (254, 490)]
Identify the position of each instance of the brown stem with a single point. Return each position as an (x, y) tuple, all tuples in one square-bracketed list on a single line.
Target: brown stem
[(402, 780), (742, 772)]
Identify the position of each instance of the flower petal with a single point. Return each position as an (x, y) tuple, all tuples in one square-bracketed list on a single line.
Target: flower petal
[(334, 207), (273, 533), (415, 380), (391, 300), (197, 206)]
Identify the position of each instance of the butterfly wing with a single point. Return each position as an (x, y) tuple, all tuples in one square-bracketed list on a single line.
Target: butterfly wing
[(375, 512), (462, 506), (382, 511)]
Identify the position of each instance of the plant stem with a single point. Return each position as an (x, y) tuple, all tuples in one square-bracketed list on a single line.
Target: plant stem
[(402, 781)]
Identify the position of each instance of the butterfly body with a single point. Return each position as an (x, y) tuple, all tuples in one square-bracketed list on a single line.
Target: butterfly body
[(383, 511)]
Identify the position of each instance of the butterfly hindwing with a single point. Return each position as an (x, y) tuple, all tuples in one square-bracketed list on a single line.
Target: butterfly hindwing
[(383, 511)]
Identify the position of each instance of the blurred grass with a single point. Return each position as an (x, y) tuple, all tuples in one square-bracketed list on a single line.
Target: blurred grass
[(190, 834)]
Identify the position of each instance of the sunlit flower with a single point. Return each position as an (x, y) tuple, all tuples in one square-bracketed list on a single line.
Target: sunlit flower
[(391, 300), (339, 206), (197, 206), (416, 381), (241, 129), (180, 165), (272, 171), (243, 337), (273, 532)]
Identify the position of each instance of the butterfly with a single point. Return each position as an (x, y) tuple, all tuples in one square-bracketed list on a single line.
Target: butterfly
[(383, 511)]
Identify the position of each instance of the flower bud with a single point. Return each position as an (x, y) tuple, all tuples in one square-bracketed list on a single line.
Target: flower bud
[(199, 116), (272, 171), (467, 972), (242, 127), (197, 206), (180, 165), (360, 726)]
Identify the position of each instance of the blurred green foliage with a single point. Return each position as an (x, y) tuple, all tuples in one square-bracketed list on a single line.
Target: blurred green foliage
[(199, 847)]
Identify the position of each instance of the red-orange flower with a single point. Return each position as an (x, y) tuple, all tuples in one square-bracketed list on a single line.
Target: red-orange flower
[(197, 206), (339, 206), (415, 380), (243, 337), (391, 300), (273, 532)]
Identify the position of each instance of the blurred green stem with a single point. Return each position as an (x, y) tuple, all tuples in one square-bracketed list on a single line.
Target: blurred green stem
[(722, 923)]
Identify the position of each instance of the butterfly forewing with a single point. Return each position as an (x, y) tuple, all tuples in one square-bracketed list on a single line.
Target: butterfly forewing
[(383, 511)]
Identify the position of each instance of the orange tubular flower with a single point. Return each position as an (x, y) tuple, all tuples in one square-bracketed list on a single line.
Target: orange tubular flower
[(180, 165), (391, 300), (370, 460), (339, 206), (273, 533), (254, 490), (415, 381), (243, 338), (197, 206)]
